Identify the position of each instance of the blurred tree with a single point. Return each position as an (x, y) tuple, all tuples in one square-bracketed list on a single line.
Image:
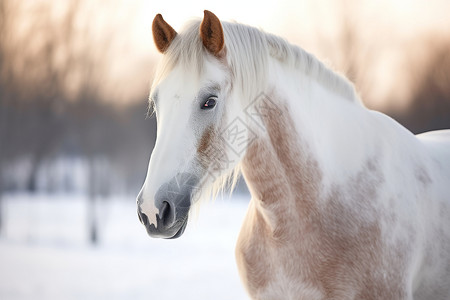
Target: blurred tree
[(358, 57), (3, 96), (8, 92), (429, 106), (52, 100), (32, 95), (347, 47)]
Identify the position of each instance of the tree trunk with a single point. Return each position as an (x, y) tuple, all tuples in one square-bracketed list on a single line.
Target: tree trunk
[(92, 208), (1, 199)]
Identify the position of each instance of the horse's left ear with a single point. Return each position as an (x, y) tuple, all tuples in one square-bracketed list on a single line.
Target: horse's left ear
[(211, 33)]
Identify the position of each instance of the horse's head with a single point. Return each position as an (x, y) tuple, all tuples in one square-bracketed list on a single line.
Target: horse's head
[(189, 93)]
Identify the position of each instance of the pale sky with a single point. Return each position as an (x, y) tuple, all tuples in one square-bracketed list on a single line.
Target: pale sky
[(390, 25), (286, 17)]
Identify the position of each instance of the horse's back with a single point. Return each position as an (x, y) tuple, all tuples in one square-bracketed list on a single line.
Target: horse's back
[(435, 271), (437, 144), (439, 140)]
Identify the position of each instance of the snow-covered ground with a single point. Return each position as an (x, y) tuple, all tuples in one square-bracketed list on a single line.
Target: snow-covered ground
[(44, 253)]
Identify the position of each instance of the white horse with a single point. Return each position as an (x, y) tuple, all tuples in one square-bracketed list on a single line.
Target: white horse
[(346, 203)]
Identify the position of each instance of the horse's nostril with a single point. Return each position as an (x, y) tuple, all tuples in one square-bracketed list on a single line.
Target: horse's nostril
[(165, 213), (143, 218)]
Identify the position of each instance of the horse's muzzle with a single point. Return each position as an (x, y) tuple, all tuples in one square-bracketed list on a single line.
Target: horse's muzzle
[(173, 201), (170, 222)]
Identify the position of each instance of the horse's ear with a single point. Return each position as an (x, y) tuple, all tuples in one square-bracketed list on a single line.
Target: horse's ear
[(163, 33), (211, 33)]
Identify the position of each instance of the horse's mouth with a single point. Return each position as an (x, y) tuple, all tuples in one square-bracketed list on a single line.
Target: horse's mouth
[(180, 231), (171, 232)]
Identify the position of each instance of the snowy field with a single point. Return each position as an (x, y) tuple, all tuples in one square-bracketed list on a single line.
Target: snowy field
[(44, 253)]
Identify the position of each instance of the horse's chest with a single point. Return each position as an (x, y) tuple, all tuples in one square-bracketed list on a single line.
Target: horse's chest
[(268, 277), (270, 269)]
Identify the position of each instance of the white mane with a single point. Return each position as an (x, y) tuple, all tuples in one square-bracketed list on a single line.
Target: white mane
[(248, 50)]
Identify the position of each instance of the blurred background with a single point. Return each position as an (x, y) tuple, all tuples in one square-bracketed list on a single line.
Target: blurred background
[(75, 140)]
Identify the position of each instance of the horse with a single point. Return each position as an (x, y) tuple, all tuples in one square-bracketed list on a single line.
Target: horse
[(345, 202)]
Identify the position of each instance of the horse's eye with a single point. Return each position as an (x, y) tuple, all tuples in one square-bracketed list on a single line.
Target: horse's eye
[(209, 103)]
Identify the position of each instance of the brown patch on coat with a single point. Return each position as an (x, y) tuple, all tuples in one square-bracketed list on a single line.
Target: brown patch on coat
[(205, 142), (208, 150), (422, 175), (322, 242), (275, 170), (357, 258), (211, 33), (256, 273), (163, 33), (211, 151)]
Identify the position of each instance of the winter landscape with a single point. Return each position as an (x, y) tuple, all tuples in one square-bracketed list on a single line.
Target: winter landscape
[(74, 133), (45, 254)]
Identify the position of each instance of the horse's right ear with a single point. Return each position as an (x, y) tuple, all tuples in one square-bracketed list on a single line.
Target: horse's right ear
[(163, 33), (211, 33)]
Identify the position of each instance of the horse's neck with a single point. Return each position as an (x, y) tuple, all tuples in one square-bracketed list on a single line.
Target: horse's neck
[(303, 146), (282, 174)]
